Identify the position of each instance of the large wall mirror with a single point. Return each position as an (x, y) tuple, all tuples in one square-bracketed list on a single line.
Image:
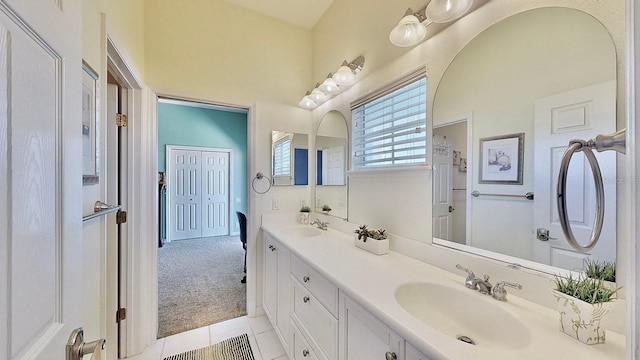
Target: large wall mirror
[(289, 158), (503, 114), (331, 165)]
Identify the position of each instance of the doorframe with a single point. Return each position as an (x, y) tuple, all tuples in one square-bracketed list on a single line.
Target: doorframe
[(169, 167)]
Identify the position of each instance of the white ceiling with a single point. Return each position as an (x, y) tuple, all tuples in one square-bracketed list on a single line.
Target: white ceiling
[(304, 13)]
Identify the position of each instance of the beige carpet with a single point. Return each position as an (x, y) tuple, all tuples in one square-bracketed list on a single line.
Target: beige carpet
[(199, 283)]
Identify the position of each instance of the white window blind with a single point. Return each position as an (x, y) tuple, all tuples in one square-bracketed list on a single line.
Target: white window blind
[(282, 159), (389, 124)]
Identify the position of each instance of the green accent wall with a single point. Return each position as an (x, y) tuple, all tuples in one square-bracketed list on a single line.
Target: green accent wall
[(196, 126)]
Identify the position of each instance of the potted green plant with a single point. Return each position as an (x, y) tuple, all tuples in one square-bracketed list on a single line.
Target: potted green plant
[(582, 303), (377, 240), (304, 214), (326, 208), (605, 270)]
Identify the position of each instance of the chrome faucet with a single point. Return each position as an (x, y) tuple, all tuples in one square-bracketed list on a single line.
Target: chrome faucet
[(475, 283), (321, 224), (499, 292)]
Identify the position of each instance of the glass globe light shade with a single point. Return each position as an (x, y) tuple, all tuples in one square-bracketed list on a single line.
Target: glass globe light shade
[(344, 76), (318, 96), (408, 32), (307, 102), (441, 11), (329, 86)]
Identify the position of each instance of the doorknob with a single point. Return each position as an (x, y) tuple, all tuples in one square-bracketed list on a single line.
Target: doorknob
[(451, 209), (542, 234), (77, 348)]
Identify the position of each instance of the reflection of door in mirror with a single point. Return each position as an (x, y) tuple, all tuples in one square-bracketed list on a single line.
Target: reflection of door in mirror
[(450, 181), (290, 158), (500, 76), (331, 164)]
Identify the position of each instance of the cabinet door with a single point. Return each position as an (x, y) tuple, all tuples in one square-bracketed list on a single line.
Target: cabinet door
[(283, 311), (270, 285), (413, 353), (363, 337)]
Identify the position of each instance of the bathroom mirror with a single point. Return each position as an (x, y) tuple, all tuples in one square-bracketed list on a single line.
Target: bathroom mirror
[(503, 114), (331, 165), (289, 158)]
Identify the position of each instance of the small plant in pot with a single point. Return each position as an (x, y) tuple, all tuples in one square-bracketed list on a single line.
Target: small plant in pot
[(605, 270), (304, 214), (582, 303), (378, 244), (326, 208)]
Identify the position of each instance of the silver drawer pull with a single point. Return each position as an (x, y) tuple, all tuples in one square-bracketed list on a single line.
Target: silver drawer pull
[(273, 248), (305, 352), (305, 299), (390, 356), (305, 279)]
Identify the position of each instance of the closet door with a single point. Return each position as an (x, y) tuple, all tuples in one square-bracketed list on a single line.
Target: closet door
[(186, 198), (215, 193)]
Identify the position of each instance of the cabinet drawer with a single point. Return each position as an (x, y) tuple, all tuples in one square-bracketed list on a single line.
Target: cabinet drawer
[(317, 284), (301, 349), (318, 325)]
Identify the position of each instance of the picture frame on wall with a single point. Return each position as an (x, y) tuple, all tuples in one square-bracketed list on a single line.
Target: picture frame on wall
[(456, 157), (501, 159), (90, 121)]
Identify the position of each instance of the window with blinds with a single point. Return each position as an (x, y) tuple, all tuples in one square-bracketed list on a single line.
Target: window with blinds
[(388, 126), (282, 161)]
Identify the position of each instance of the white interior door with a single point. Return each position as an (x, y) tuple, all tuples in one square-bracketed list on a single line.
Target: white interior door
[(578, 114), (185, 199), (40, 177), (215, 193), (442, 189)]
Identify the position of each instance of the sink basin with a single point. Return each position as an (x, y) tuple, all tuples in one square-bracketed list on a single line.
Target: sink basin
[(464, 314), (303, 231)]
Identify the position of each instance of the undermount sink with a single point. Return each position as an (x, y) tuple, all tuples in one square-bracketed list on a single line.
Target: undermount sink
[(303, 231), (464, 314)]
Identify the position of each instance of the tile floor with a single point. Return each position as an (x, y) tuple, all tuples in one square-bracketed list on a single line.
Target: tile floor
[(263, 339)]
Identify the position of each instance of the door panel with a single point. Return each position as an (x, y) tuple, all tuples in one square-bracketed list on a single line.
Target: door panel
[(577, 114), (184, 187), (40, 178), (215, 193), (442, 189)]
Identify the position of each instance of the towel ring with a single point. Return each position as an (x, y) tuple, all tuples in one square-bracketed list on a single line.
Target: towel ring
[(601, 143), (260, 176)]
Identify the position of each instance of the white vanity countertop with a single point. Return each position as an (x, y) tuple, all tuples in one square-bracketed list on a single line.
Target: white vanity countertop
[(372, 281)]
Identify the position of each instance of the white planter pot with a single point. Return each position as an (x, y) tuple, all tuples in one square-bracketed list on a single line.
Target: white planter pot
[(304, 218), (378, 247), (581, 320)]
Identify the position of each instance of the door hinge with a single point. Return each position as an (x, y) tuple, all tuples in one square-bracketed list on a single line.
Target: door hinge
[(121, 314), (121, 217), (121, 120)]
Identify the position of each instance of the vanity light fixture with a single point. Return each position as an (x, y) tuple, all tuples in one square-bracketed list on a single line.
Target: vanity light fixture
[(307, 102), (332, 84), (412, 27), (410, 30), (442, 11)]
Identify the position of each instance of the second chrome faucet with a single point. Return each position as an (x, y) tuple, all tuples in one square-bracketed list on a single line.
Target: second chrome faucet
[(484, 286)]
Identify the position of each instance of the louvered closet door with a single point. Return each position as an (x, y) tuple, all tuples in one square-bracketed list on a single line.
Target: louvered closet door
[(186, 199), (215, 193)]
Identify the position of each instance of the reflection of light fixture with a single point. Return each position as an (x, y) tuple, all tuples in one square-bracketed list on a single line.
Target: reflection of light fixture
[(329, 86), (409, 30), (412, 27), (317, 95), (345, 76), (441, 11), (307, 102)]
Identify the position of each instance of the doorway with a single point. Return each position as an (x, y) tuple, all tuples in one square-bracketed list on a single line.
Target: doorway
[(202, 149)]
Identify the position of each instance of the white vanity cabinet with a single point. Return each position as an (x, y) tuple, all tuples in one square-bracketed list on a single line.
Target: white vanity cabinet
[(411, 353), (276, 289), (364, 337), (314, 311)]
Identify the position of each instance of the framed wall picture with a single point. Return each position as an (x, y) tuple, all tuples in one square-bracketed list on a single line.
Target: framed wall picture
[(90, 133), (456, 157), (501, 159)]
